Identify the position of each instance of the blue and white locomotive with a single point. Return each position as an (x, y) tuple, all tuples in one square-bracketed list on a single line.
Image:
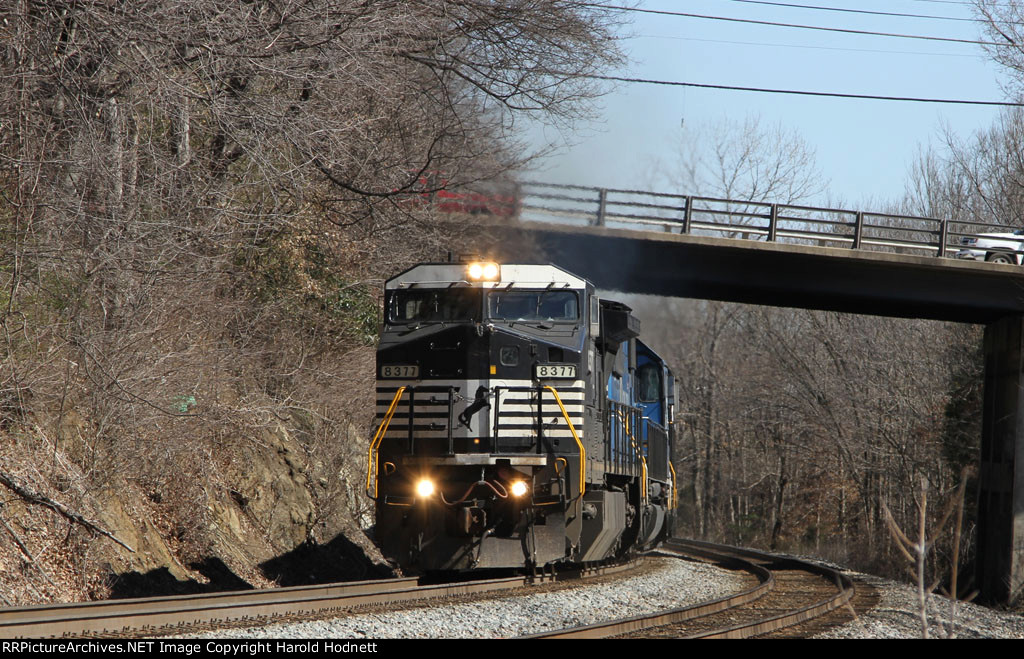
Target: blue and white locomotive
[(521, 421)]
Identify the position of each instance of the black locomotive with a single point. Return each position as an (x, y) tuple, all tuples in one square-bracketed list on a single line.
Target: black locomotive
[(521, 421)]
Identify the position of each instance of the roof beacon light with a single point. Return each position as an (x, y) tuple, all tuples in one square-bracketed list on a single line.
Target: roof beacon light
[(483, 271)]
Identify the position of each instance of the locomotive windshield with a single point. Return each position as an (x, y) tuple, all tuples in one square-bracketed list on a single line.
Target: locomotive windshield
[(436, 305), (533, 305)]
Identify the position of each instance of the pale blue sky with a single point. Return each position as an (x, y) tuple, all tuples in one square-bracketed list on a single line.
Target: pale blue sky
[(864, 147)]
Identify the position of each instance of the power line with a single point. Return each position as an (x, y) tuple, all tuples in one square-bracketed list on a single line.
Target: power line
[(911, 99), (676, 83), (857, 11), (792, 45), (949, 2), (868, 11), (662, 12)]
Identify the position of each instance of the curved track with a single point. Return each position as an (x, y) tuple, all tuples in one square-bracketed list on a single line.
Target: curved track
[(783, 592), (786, 592), (181, 614)]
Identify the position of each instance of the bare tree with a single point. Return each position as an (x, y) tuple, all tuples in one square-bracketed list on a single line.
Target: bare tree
[(745, 161), (794, 425), (198, 202), (1002, 25), (976, 179)]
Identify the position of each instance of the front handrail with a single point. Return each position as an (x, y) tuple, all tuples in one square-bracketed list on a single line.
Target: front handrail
[(572, 429), (371, 459)]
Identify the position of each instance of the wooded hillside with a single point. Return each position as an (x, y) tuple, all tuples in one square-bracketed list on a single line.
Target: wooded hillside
[(198, 204)]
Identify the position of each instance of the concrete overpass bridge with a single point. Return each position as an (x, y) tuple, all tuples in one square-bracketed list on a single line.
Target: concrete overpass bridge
[(810, 258)]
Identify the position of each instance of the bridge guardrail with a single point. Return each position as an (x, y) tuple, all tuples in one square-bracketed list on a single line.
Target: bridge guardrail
[(782, 223)]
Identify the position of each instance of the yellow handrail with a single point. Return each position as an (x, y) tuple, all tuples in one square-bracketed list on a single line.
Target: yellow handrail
[(672, 507), (377, 439), (643, 461), (572, 429)]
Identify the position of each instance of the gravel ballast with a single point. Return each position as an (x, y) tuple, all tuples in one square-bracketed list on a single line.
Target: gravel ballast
[(668, 583), (897, 615)]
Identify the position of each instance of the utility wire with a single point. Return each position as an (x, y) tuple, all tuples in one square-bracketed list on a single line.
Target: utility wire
[(868, 11), (662, 12), (793, 45), (858, 11), (676, 83), (950, 2)]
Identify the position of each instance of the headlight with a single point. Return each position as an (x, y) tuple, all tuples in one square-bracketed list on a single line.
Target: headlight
[(424, 489), (518, 488), (483, 271)]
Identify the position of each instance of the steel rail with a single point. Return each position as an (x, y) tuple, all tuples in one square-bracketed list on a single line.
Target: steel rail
[(843, 584), (766, 582), (741, 559), (165, 615)]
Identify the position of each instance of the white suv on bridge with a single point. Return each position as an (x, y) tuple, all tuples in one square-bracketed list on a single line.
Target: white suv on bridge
[(994, 247)]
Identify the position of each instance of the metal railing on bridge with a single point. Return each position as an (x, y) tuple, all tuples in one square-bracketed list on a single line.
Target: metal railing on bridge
[(779, 223)]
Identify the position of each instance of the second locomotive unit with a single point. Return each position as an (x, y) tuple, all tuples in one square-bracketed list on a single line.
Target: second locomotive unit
[(521, 421)]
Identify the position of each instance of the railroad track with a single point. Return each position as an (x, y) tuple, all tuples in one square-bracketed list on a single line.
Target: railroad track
[(159, 616), (782, 592), (785, 592)]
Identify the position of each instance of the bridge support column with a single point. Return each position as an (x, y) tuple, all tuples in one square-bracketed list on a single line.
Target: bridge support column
[(1000, 551)]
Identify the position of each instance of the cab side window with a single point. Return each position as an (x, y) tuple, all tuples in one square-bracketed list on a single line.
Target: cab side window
[(648, 383)]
